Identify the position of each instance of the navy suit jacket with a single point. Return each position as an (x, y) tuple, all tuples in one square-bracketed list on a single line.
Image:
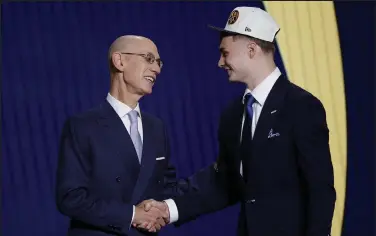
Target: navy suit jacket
[(290, 189), (99, 177)]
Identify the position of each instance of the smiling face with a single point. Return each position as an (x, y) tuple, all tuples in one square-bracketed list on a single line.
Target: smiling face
[(235, 58), (137, 62)]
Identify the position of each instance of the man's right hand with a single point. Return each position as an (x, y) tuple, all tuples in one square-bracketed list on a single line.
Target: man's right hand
[(152, 219), (162, 206)]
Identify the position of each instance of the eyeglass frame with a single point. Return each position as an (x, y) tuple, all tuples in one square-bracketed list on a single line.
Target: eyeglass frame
[(149, 57)]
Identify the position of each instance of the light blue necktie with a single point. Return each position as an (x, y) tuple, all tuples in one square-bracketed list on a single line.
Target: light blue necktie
[(135, 135)]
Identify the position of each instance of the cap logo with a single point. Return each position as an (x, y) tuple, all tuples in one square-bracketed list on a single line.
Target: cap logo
[(233, 17)]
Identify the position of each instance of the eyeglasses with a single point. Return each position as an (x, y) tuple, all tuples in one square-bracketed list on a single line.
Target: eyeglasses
[(149, 57)]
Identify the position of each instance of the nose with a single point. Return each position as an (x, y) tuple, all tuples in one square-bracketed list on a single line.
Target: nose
[(155, 68), (221, 62)]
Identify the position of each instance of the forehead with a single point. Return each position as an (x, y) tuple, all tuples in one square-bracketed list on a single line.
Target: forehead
[(146, 46), (225, 41), (228, 43)]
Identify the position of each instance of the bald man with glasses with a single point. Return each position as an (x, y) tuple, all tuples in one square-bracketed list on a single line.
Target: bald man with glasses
[(114, 156)]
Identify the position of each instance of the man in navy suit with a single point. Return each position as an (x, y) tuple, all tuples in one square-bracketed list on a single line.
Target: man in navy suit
[(114, 156), (274, 155)]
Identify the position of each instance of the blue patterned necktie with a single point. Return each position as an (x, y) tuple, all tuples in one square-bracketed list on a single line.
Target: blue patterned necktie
[(135, 135), (246, 144), (247, 128)]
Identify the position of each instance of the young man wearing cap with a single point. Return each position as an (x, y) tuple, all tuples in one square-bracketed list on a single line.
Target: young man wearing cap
[(274, 155)]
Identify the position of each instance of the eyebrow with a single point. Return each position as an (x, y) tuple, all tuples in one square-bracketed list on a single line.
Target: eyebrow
[(222, 50), (156, 58)]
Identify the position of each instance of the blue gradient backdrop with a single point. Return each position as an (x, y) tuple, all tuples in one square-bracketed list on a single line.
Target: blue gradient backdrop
[(54, 64)]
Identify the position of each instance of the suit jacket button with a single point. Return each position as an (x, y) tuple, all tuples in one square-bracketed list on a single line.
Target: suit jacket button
[(251, 201), (118, 179), (215, 167)]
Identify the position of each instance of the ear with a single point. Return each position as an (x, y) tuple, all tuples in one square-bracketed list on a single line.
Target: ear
[(117, 62), (252, 47)]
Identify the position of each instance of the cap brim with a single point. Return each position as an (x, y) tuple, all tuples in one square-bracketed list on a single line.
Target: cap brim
[(221, 29), (224, 30)]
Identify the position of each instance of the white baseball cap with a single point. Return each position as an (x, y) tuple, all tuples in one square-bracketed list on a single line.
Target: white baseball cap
[(251, 21)]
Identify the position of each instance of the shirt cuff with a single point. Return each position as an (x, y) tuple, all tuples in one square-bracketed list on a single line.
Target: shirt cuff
[(132, 218), (174, 215)]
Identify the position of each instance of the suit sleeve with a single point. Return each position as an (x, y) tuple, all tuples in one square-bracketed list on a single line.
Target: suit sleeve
[(73, 196), (204, 192), (312, 141)]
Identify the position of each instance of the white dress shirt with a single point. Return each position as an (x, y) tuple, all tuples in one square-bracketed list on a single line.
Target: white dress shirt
[(122, 110), (260, 93)]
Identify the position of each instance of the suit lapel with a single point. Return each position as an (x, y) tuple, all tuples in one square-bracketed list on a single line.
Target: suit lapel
[(148, 158), (237, 127), (123, 148), (117, 136), (231, 129), (270, 111)]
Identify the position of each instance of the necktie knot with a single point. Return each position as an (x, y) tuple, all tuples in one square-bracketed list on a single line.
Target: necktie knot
[(133, 116), (249, 99)]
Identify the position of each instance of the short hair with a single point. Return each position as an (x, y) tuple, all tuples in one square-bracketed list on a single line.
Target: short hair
[(266, 47)]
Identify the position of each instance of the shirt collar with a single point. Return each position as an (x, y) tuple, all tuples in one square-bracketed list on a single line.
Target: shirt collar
[(261, 92), (120, 108)]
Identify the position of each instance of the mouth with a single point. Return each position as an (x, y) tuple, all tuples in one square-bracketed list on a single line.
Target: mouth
[(150, 79)]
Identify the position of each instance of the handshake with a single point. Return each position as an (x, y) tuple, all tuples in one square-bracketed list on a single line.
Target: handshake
[(151, 215)]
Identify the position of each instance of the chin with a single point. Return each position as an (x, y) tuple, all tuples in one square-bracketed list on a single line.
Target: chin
[(147, 91), (233, 79)]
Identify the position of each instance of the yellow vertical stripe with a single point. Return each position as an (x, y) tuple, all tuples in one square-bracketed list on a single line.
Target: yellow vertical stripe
[(310, 50)]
